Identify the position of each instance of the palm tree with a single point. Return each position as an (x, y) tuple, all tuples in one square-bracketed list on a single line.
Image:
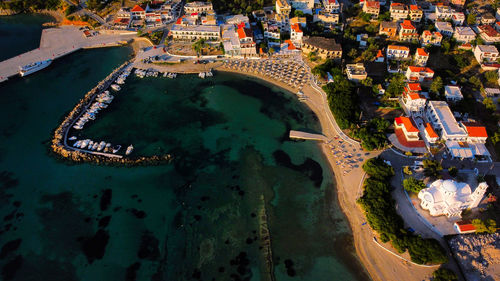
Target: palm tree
[(199, 45)]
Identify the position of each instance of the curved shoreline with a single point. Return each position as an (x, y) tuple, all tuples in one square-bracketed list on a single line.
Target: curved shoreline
[(59, 141), (379, 264)]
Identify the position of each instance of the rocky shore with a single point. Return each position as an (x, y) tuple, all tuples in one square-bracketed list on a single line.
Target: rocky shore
[(478, 255), (60, 147)]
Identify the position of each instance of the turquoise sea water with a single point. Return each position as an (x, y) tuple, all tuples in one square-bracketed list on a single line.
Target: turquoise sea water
[(194, 219)]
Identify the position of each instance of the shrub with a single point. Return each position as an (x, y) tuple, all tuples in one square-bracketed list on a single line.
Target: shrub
[(432, 168), (443, 274), (413, 185)]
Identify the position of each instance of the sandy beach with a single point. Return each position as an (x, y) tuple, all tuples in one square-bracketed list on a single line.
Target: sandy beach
[(380, 264)]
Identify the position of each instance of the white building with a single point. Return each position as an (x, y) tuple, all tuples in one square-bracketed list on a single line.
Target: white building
[(356, 72), (444, 12), (331, 6), (413, 101), (419, 74), (450, 198), (296, 35), (421, 57), (485, 53), (198, 7), (458, 18), (453, 93), (464, 34), (439, 114), (445, 28), (399, 11), (195, 32), (398, 52)]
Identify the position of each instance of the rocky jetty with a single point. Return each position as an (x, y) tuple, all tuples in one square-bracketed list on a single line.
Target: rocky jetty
[(478, 255), (61, 148)]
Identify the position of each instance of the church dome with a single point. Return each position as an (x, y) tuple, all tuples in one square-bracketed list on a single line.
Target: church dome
[(450, 186)]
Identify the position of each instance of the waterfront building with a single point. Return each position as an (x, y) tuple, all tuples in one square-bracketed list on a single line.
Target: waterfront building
[(138, 12), (388, 28), (296, 35), (195, 32), (398, 52), (323, 47), (421, 57), (407, 31), (464, 34), (450, 198)]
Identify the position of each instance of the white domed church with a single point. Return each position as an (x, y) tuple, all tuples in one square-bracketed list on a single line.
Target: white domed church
[(450, 198)]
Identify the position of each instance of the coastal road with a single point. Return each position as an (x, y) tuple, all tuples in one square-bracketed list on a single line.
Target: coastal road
[(57, 42)]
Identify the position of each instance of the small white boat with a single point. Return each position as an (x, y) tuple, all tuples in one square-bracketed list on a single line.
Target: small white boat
[(202, 75), (101, 146), (130, 148), (34, 67), (116, 148), (84, 143), (107, 147), (77, 143), (116, 87), (95, 146), (72, 138)]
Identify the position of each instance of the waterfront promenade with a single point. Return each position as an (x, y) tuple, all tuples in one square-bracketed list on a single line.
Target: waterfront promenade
[(60, 41)]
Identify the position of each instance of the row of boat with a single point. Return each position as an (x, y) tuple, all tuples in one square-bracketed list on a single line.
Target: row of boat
[(141, 73), (101, 146), (170, 75), (121, 79), (202, 75), (102, 101)]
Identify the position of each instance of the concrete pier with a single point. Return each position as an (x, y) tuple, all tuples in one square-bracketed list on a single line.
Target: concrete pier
[(306, 136), (60, 41)]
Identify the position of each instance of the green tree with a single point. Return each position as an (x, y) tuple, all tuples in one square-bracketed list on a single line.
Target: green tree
[(489, 226), (432, 168), (411, 184), (377, 168), (407, 170), (444, 274), (437, 85), (199, 45), (453, 171), (489, 104), (353, 53), (475, 82), (368, 82), (396, 85), (491, 76), (471, 19)]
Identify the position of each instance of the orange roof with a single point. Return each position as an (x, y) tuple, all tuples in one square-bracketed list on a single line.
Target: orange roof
[(437, 33), (422, 52), (379, 54), (420, 69), (137, 8), (372, 4), (241, 33), (414, 86), (415, 96), (427, 33), (296, 27), (488, 30), (430, 131), (291, 46), (400, 48), (474, 130), (396, 4), (414, 7), (179, 20), (465, 226), (407, 123), (407, 25)]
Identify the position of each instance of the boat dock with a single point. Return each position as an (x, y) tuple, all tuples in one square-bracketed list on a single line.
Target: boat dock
[(306, 136), (60, 41)]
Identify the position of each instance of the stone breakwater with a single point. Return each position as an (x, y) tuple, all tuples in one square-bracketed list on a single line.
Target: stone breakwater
[(478, 255), (59, 142)]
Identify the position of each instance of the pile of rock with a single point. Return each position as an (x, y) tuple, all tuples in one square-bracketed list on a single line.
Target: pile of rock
[(478, 255)]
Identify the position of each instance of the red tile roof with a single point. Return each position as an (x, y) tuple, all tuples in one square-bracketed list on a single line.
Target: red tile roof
[(241, 33), (414, 7), (406, 24), (465, 226), (407, 123), (373, 4), (430, 131), (379, 54), (420, 69), (488, 30), (414, 87), (296, 27), (474, 130), (422, 52), (291, 46), (137, 8), (404, 142)]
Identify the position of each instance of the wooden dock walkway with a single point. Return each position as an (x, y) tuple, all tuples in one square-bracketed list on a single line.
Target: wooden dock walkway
[(306, 136), (58, 42)]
